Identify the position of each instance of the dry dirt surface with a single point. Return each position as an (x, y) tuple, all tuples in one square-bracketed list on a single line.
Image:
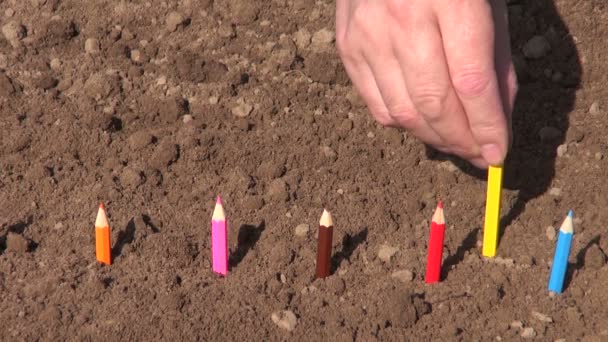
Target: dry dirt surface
[(156, 107)]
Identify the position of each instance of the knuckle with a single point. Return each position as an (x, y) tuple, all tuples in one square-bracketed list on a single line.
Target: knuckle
[(430, 101), (471, 82), (382, 117), (406, 117)]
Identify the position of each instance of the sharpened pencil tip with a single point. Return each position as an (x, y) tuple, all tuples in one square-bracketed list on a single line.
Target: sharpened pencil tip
[(440, 205), (570, 214), (218, 211), (326, 219), (101, 206)]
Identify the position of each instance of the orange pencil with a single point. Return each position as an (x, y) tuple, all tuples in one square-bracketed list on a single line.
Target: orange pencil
[(102, 236)]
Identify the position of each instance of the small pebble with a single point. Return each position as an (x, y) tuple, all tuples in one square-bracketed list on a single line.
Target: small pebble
[(55, 64), (598, 156), (13, 32), (329, 153), (385, 252), (550, 232), (187, 118), (174, 20), (323, 37), (562, 150), (91, 46), (16, 243), (405, 276), (516, 325), (9, 12), (595, 109), (542, 317), (242, 109), (528, 333), (537, 47), (555, 192), (302, 230), (136, 56), (285, 319), (371, 135), (283, 278)]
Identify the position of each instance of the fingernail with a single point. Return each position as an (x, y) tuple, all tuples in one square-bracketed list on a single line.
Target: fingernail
[(492, 154)]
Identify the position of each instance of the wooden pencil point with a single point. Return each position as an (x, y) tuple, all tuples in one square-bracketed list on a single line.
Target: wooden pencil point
[(326, 220), (218, 211)]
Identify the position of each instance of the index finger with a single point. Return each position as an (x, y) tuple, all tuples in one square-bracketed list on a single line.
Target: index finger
[(467, 29)]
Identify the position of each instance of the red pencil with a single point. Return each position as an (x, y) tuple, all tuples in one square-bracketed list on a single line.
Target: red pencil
[(433, 261)]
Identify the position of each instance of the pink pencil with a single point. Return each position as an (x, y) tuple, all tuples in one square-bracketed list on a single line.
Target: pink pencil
[(219, 239)]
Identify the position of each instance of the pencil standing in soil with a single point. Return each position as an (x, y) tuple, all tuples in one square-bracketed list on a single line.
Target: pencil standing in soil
[(562, 251), (219, 239), (326, 232), (102, 237), (433, 262), (492, 221)]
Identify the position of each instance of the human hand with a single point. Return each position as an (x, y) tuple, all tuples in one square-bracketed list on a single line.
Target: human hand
[(440, 68)]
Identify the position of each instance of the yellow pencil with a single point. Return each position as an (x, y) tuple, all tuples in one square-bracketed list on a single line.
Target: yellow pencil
[(492, 222)]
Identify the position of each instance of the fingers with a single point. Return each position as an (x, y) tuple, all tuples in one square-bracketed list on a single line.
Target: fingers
[(355, 65), (505, 71), (468, 40), (388, 75), (427, 77)]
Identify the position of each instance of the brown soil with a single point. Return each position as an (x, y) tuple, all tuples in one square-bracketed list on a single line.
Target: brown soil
[(178, 101)]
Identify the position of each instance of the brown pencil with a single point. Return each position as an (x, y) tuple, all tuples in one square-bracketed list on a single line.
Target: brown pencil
[(326, 232)]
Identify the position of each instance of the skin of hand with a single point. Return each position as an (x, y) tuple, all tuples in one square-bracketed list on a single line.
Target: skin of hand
[(441, 69)]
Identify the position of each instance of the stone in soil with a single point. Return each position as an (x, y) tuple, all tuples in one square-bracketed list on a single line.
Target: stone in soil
[(386, 252), (405, 276), (594, 257), (595, 108), (16, 243), (302, 230), (278, 191), (242, 109), (550, 232), (285, 319), (175, 20), (91, 46), (528, 333)]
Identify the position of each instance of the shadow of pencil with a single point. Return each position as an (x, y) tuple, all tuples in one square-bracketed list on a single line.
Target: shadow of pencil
[(124, 237), (248, 236), (468, 243), (349, 244), (579, 262)]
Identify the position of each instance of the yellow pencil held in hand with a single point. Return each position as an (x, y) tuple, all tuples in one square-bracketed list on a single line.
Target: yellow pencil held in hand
[(492, 222)]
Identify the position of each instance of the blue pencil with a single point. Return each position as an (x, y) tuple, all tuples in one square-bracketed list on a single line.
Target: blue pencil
[(562, 251)]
